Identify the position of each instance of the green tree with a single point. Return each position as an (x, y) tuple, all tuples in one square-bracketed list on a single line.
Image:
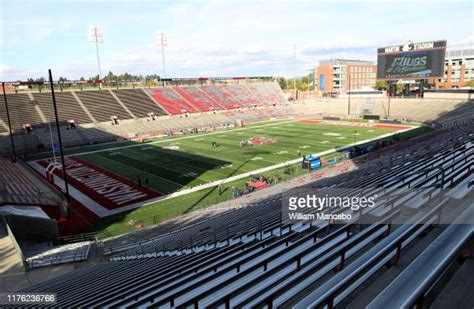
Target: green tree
[(282, 82), (110, 76), (469, 83), (381, 85), (399, 87)]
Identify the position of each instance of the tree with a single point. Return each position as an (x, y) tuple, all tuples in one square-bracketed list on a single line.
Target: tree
[(110, 76), (399, 87), (282, 82), (152, 77), (381, 85), (469, 83)]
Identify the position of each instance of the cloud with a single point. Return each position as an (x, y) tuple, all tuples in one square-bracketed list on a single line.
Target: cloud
[(13, 73), (217, 38)]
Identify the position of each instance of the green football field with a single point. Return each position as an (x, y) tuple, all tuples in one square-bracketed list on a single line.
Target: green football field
[(178, 163), (187, 162)]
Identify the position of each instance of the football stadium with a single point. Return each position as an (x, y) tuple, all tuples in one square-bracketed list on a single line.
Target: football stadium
[(350, 187)]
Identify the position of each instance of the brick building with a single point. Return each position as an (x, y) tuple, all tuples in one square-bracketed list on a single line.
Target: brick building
[(458, 68), (342, 75)]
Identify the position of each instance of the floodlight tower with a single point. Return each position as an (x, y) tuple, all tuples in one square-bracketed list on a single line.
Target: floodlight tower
[(294, 71), (163, 41), (96, 35)]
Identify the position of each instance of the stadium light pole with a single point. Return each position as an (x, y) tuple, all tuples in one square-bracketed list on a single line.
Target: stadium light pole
[(163, 43), (389, 94), (68, 199), (96, 35), (349, 93), (9, 124), (294, 72)]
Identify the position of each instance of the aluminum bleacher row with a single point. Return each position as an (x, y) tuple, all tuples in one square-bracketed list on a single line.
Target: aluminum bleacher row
[(40, 255), (211, 233), (67, 106), (94, 108), (18, 186), (102, 105), (264, 262), (99, 105), (138, 102), (198, 98), (40, 139), (411, 285), (221, 96)]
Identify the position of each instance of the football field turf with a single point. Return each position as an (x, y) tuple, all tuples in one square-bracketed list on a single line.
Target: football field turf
[(181, 163)]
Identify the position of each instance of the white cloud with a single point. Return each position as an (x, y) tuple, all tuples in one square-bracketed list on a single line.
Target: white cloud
[(231, 38), (13, 73)]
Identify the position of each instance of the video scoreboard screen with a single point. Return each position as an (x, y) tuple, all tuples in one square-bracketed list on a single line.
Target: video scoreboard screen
[(411, 61)]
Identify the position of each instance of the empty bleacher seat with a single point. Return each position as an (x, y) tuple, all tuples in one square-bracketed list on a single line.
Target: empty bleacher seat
[(102, 105), (68, 107), (138, 102)]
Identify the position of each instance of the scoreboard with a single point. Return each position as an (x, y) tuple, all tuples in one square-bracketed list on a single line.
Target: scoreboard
[(411, 61)]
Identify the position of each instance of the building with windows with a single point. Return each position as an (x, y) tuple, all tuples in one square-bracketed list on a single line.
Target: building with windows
[(458, 68), (343, 75)]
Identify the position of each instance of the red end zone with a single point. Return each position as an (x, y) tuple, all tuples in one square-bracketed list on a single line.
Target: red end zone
[(106, 188)]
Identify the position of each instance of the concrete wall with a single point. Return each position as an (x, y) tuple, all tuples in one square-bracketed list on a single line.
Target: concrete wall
[(422, 110), (449, 95), (33, 229)]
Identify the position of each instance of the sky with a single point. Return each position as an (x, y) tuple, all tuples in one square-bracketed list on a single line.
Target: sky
[(214, 38)]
